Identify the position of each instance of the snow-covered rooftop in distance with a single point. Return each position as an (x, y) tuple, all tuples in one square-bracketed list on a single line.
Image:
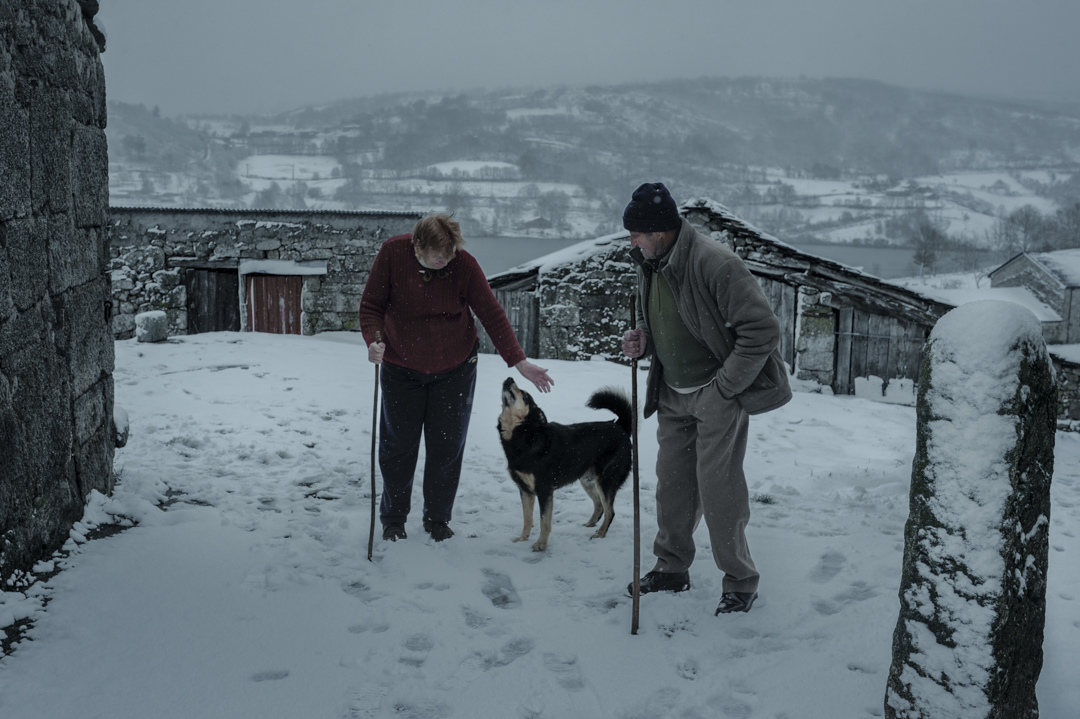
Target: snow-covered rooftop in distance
[(1069, 353), (580, 251), (1018, 295), (1063, 264)]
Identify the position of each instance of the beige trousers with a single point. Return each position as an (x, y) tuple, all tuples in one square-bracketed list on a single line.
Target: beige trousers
[(699, 470)]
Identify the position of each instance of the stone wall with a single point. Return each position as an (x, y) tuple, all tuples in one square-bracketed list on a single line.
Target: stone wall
[(816, 338), (1067, 378), (150, 248), (56, 351), (585, 306)]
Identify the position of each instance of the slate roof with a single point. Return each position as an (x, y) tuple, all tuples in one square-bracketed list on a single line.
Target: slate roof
[(764, 255), (1062, 264)]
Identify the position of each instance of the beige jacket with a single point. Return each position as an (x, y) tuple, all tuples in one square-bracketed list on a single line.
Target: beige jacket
[(724, 308)]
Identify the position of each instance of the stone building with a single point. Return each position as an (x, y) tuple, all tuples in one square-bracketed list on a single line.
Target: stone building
[(287, 271), (1054, 278), (56, 350), (838, 324)]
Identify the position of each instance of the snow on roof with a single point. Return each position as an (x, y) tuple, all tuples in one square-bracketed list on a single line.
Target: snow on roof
[(737, 226), (714, 207), (587, 248), (573, 253), (1063, 264), (1069, 353), (282, 267), (1018, 295)]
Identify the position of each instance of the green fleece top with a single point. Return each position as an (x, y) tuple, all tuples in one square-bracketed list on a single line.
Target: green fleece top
[(688, 364)]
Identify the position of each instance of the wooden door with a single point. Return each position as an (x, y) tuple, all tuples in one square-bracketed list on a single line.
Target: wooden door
[(522, 309), (273, 303), (213, 300), (874, 345)]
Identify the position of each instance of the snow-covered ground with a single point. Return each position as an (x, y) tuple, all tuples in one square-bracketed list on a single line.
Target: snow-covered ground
[(244, 589)]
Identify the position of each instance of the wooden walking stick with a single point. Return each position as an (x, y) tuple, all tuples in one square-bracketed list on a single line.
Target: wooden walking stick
[(374, 428), (637, 499)]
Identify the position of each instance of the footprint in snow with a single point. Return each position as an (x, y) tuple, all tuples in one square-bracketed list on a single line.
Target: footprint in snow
[(566, 671), (500, 590), (270, 676), (474, 619), (856, 592), (514, 649), (828, 566), (687, 669), (361, 591), (417, 648), (367, 701)]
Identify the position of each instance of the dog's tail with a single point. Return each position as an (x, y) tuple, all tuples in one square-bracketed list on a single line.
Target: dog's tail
[(614, 400)]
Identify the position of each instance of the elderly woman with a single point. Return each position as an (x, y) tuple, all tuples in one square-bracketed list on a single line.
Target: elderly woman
[(420, 298)]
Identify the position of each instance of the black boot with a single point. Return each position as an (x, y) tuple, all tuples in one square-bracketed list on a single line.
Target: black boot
[(735, 602), (662, 582), (393, 531), (438, 530)]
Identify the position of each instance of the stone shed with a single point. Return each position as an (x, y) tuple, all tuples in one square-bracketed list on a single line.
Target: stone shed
[(1054, 278), (285, 271), (56, 352), (838, 324)]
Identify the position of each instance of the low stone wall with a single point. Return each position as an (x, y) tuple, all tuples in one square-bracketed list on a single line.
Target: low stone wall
[(150, 248), (56, 353)]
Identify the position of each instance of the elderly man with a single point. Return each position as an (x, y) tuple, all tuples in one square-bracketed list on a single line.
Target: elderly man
[(712, 339)]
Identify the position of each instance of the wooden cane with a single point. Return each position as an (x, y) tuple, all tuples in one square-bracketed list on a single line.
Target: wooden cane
[(637, 499), (374, 429)]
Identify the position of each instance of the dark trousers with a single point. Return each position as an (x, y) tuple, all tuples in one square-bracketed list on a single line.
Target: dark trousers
[(439, 406)]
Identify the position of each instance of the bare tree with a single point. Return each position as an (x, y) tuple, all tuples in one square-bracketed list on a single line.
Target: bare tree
[(929, 240), (1067, 227), (1031, 230)]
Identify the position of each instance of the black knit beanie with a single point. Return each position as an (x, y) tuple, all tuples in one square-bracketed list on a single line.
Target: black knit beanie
[(651, 210)]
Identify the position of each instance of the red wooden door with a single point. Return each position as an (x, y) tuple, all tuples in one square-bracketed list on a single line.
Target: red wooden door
[(273, 303)]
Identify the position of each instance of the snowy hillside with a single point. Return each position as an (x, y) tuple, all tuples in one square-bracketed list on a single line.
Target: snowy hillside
[(244, 589), (807, 160)]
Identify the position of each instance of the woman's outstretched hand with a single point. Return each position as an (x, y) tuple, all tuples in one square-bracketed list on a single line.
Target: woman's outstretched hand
[(537, 375)]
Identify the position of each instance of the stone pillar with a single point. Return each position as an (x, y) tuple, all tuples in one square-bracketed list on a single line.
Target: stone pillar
[(968, 641), (56, 351)]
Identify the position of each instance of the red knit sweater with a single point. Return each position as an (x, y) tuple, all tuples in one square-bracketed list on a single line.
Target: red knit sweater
[(427, 326)]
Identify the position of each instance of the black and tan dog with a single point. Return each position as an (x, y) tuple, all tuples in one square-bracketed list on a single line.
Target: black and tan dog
[(543, 456)]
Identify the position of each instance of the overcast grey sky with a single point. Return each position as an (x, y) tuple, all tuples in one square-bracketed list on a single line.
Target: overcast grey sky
[(211, 56)]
